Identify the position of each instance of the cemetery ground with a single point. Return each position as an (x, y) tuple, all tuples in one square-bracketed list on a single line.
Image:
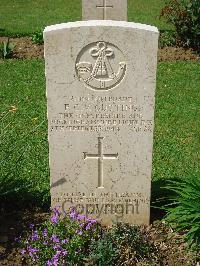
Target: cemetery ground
[(30, 16), (24, 154), (24, 173)]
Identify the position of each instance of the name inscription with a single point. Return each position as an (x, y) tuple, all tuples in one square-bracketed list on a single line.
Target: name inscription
[(101, 114)]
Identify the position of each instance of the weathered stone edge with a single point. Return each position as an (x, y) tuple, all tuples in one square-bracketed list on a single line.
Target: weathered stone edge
[(105, 23)]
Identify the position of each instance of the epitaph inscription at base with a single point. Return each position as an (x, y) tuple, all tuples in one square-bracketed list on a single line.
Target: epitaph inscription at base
[(101, 78)]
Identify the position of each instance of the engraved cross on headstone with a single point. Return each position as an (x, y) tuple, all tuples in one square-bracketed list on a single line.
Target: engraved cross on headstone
[(104, 7), (100, 157)]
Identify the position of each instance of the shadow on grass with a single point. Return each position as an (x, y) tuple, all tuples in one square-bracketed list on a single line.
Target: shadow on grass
[(160, 196), (14, 224), (17, 211), (22, 200), (2, 32)]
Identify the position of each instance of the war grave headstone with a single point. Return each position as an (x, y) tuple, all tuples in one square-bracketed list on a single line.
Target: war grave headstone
[(101, 78), (104, 10)]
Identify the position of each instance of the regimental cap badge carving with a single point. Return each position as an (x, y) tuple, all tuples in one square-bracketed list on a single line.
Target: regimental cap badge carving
[(100, 66)]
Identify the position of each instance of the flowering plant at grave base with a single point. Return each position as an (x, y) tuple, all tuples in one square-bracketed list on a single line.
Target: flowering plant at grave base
[(61, 240)]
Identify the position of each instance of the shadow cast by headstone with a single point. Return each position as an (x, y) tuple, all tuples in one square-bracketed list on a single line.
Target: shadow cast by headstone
[(59, 183), (160, 196), (14, 224), (23, 199)]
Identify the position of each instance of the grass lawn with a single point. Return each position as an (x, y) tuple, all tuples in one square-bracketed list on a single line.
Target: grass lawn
[(23, 17), (23, 129), (23, 135), (147, 12), (176, 143)]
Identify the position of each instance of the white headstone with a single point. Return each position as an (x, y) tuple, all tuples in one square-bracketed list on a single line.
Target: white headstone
[(101, 79), (104, 9)]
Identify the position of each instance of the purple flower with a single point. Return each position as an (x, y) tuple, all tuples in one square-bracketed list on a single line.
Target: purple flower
[(57, 248), (49, 263), (72, 215), (64, 253), (79, 233), (18, 239), (56, 258), (64, 241), (31, 226), (45, 233), (57, 255), (23, 251), (35, 236), (32, 250), (54, 219), (81, 217), (53, 262), (55, 239), (88, 226), (92, 221), (56, 210)]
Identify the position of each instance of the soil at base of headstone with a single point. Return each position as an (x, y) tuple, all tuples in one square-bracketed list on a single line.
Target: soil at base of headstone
[(170, 246), (26, 49)]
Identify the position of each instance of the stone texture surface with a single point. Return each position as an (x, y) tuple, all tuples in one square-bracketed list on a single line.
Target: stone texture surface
[(101, 79), (104, 10)]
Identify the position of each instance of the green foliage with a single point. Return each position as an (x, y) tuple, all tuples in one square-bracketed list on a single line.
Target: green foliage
[(37, 37), (125, 244), (167, 38), (184, 15), (104, 252), (6, 49), (64, 239), (75, 239), (147, 12), (184, 211)]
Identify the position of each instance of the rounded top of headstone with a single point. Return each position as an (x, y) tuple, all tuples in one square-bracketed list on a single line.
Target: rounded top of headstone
[(105, 23)]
